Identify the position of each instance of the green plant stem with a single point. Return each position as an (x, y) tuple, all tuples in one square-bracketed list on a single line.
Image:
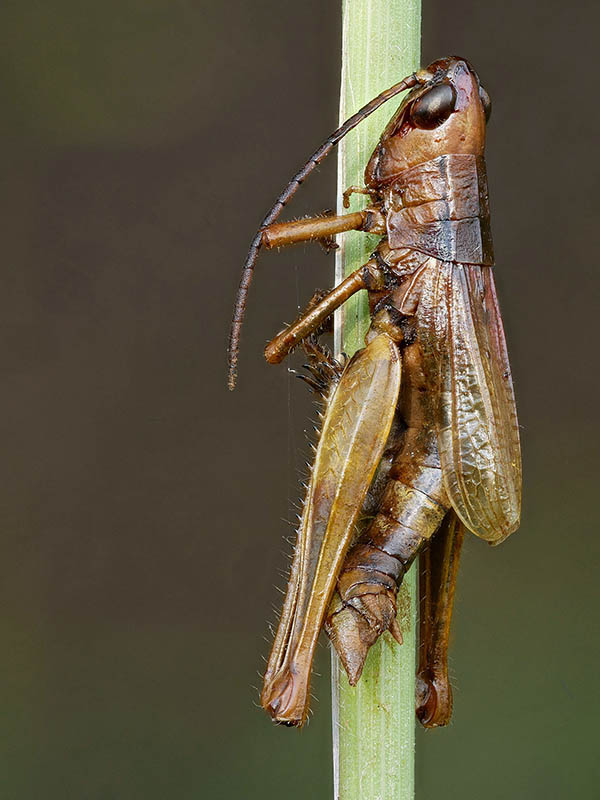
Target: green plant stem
[(374, 722)]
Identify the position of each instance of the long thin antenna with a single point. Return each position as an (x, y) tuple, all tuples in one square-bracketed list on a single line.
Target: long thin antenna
[(286, 195)]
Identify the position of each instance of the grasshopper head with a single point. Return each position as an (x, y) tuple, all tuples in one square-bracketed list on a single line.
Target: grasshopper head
[(445, 113)]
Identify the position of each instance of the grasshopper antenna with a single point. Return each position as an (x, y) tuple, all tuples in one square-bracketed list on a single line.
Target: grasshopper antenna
[(286, 195)]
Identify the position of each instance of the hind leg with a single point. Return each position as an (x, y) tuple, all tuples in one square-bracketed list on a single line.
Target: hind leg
[(438, 568)]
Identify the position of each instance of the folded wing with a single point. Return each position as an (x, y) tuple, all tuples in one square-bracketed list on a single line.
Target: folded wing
[(465, 356)]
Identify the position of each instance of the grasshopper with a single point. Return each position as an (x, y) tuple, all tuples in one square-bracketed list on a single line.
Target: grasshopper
[(420, 431)]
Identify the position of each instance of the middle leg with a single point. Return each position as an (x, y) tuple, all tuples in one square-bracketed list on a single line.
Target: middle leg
[(370, 276)]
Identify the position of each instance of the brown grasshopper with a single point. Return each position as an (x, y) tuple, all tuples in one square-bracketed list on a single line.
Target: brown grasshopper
[(420, 428)]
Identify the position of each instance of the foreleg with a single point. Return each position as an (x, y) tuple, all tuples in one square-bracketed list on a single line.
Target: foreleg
[(304, 230)]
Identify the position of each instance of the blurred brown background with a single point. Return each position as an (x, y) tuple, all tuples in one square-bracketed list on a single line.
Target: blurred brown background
[(142, 505)]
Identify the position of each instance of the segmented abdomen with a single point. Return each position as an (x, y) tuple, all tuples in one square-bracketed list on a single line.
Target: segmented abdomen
[(409, 514), (413, 503)]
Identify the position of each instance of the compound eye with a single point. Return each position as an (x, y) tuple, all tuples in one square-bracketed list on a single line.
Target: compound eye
[(433, 107), (486, 103)]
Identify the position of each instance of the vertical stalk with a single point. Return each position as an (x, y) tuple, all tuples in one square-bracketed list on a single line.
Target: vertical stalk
[(374, 722)]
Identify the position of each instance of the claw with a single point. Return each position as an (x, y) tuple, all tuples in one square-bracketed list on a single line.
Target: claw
[(434, 700), (285, 696)]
